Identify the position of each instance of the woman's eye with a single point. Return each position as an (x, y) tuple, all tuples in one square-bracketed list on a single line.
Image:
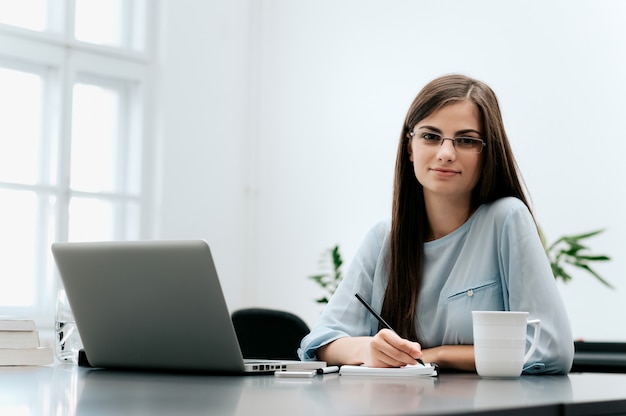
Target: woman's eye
[(466, 141), (431, 137)]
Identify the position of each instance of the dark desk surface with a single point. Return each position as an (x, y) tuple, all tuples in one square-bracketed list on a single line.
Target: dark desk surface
[(69, 390)]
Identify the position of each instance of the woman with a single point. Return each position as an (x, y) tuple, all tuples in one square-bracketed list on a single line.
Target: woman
[(461, 238)]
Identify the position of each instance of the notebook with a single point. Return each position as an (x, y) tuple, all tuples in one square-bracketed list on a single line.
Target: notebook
[(417, 370), (154, 305)]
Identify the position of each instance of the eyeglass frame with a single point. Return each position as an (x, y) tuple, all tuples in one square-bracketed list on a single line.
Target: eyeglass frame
[(453, 139)]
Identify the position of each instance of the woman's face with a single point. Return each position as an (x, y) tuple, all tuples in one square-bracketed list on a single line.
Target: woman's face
[(446, 170)]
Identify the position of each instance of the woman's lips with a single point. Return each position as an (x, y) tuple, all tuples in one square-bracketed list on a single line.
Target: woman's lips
[(445, 173)]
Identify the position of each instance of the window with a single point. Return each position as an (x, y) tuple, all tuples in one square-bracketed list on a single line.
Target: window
[(74, 76)]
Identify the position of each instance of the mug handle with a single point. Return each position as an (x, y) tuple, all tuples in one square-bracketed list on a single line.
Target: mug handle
[(533, 346)]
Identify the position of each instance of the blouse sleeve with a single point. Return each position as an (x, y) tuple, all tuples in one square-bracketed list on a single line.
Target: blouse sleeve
[(530, 284), (344, 316)]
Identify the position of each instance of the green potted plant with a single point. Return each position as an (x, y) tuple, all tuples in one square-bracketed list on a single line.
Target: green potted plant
[(569, 250), (329, 280)]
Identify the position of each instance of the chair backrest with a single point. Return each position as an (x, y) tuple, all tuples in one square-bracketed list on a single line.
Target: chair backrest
[(269, 333)]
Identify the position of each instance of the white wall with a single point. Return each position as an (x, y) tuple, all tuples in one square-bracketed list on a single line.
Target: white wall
[(282, 119), (203, 125)]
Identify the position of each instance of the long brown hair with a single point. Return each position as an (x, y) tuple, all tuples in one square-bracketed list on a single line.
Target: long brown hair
[(409, 225)]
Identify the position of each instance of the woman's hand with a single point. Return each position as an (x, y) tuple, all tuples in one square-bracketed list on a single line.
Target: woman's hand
[(388, 349), (385, 349)]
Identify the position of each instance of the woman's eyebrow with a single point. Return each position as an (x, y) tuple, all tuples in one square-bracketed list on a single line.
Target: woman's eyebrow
[(468, 131), (431, 128), (438, 131)]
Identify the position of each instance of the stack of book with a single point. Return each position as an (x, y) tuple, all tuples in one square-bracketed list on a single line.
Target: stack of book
[(19, 344)]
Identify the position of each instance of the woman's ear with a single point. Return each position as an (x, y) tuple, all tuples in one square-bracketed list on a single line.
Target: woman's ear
[(409, 147)]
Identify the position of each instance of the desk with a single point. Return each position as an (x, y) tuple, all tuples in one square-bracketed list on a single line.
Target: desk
[(69, 390)]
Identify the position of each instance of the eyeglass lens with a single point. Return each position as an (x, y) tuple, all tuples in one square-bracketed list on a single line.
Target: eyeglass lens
[(470, 144)]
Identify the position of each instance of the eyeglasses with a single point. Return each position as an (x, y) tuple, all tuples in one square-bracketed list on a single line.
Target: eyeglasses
[(463, 144)]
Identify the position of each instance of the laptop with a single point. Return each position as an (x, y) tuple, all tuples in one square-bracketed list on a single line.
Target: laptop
[(155, 305)]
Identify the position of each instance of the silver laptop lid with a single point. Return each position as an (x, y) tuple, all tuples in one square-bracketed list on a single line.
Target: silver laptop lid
[(149, 305)]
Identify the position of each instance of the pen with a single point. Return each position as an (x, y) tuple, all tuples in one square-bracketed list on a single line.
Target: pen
[(380, 318), (329, 369)]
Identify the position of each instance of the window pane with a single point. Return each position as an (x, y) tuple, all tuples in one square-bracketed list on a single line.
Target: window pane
[(95, 131), (91, 219), (20, 106), (17, 245), (100, 22), (29, 14), (97, 219)]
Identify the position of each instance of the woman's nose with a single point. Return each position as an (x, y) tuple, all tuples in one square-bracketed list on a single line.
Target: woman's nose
[(446, 150)]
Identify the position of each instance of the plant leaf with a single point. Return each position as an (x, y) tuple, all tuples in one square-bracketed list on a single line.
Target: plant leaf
[(586, 235), (595, 258), (597, 276)]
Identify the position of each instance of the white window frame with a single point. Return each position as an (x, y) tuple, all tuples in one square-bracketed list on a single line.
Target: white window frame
[(62, 61)]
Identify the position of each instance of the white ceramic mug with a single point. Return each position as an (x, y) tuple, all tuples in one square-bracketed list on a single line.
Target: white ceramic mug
[(500, 342)]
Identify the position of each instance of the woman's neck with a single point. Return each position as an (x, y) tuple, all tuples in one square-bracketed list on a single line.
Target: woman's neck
[(445, 216)]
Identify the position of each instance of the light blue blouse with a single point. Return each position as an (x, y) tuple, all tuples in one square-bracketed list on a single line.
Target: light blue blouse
[(495, 261)]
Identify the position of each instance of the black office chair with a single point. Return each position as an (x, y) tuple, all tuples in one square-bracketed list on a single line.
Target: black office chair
[(269, 333)]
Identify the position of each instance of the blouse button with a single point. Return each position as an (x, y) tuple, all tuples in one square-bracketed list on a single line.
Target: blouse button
[(470, 293)]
